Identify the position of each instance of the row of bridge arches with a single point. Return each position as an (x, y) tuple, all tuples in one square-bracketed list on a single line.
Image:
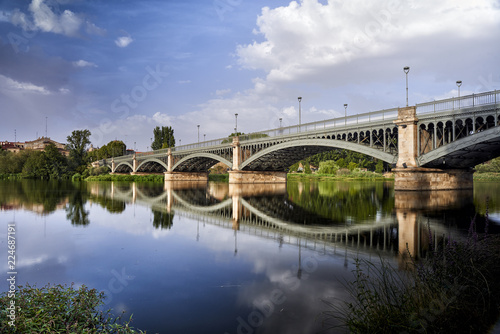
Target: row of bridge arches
[(434, 134)]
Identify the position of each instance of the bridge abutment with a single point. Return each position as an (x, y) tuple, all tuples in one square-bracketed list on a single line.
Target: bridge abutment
[(241, 177), (186, 176), (432, 179), (408, 175)]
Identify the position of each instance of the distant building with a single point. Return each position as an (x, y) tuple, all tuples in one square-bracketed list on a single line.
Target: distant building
[(37, 145)]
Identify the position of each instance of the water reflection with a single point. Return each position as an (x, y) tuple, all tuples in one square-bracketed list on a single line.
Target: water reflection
[(225, 257)]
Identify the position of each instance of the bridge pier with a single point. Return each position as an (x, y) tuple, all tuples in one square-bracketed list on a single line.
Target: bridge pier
[(408, 175)]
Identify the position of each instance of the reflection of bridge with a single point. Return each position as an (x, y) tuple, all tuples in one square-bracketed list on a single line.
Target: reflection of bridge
[(253, 215), (437, 142)]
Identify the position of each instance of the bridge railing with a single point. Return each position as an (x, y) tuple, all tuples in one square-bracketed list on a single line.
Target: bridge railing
[(468, 101), (337, 123)]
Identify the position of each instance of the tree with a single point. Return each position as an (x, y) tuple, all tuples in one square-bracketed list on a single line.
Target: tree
[(163, 138), (77, 146)]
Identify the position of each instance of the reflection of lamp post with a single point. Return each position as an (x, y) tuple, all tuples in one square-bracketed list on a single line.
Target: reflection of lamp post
[(299, 271), (406, 69), (459, 83), (300, 120), (236, 124), (235, 242), (198, 133), (345, 113)]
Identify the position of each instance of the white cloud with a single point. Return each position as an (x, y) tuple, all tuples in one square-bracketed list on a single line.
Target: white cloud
[(83, 63), (26, 87), (303, 40), (222, 92), (45, 19), (123, 41)]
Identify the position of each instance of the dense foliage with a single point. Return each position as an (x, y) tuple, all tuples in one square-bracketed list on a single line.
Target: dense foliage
[(341, 159), (163, 137), (77, 146), (59, 309), (114, 148)]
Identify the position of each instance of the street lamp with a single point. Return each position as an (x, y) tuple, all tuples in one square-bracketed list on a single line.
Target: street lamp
[(236, 127), (406, 69), (204, 136), (198, 133), (459, 83), (300, 121), (345, 113), (280, 121)]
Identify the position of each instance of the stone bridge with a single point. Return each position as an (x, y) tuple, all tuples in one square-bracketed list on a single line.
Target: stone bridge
[(432, 145)]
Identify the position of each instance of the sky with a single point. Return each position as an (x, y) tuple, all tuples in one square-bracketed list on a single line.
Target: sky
[(119, 68)]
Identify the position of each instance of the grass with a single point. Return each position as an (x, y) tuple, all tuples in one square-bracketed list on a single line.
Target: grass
[(355, 175), (453, 290), (128, 178), (59, 309)]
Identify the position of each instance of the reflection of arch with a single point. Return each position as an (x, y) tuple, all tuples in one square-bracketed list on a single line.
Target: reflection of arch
[(287, 153), (203, 209), (204, 159), (158, 161)]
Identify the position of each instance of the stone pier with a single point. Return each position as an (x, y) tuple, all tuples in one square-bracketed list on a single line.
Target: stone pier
[(185, 176), (410, 176)]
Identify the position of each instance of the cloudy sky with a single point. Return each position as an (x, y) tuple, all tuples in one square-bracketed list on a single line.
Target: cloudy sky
[(121, 68)]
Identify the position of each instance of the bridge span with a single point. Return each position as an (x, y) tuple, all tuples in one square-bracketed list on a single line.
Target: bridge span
[(432, 145)]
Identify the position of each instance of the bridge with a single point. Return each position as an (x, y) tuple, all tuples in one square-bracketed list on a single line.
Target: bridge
[(432, 145)]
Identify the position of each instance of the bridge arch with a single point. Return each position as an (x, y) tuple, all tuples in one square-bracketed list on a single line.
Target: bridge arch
[(123, 165), (201, 160), (154, 160), (283, 155)]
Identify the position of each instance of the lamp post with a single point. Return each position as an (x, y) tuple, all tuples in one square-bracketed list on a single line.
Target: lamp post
[(204, 136), (459, 83), (300, 121), (345, 113), (236, 125), (198, 133), (280, 121), (406, 69)]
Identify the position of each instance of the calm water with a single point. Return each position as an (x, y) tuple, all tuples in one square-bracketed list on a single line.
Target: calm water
[(217, 258)]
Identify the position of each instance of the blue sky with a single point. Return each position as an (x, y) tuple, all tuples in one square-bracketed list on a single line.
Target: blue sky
[(121, 68)]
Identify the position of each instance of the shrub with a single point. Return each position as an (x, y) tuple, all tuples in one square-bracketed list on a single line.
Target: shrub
[(59, 309), (453, 290)]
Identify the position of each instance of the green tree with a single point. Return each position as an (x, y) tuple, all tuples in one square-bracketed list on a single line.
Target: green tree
[(57, 164), (77, 146), (163, 138)]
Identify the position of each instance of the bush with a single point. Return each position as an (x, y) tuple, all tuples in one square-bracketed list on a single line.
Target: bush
[(328, 167), (76, 177), (59, 309), (453, 290)]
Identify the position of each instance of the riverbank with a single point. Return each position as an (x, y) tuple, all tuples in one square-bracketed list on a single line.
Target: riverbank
[(454, 289)]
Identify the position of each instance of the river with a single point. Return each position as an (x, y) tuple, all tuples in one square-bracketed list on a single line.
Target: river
[(219, 258)]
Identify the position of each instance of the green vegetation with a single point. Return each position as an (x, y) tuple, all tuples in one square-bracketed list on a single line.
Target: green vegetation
[(77, 146), (453, 290), (114, 148), (128, 178), (336, 200), (218, 177), (59, 309), (163, 138)]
